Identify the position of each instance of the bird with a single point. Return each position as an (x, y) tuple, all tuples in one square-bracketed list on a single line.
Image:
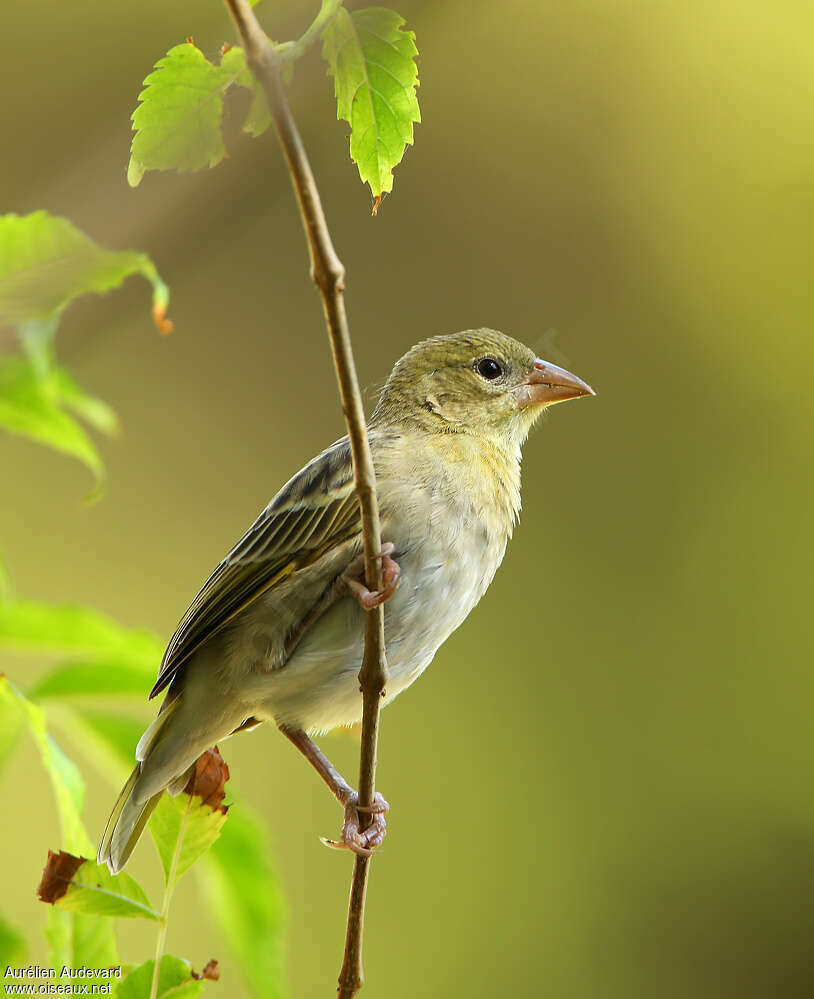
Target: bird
[(276, 634)]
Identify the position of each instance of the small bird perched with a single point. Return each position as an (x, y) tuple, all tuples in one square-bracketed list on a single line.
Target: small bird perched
[(277, 631)]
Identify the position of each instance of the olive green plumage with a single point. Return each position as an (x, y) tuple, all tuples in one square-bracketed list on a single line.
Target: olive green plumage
[(432, 388)]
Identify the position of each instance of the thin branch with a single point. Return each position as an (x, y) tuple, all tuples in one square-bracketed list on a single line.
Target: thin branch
[(328, 275)]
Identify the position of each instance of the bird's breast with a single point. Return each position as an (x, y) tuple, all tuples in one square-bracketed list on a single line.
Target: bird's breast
[(450, 535), (445, 570)]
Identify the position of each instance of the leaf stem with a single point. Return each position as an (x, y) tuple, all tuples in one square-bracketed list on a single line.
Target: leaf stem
[(328, 274), (291, 51), (169, 888)]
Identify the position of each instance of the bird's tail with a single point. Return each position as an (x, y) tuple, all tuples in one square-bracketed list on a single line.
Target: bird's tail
[(152, 775), (126, 824)]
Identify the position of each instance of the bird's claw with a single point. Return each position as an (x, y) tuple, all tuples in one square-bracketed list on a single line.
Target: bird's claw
[(363, 842), (353, 579), (379, 806)]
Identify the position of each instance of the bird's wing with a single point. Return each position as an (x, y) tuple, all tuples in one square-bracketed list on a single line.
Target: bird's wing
[(315, 511)]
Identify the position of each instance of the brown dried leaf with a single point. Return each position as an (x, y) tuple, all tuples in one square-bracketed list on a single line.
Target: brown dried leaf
[(208, 778), (211, 971), (57, 875)]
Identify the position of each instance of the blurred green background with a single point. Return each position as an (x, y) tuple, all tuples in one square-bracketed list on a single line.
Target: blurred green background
[(602, 787)]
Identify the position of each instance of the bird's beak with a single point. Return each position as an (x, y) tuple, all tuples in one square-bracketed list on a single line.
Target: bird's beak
[(546, 384)]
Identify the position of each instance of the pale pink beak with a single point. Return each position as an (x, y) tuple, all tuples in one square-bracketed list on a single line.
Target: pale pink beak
[(546, 384)]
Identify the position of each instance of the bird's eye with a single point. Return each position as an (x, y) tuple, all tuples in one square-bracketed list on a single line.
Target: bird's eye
[(489, 368)]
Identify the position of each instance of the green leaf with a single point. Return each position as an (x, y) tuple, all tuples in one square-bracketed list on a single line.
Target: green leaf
[(258, 117), (31, 406), (93, 943), (94, 679), (59, 935), (12, 722), (185, 827), (69, 788), (67, 628), (187, 990), (45, 262), (174, 976), (75, 940), (373, 65), (80, 941), (113, 734), (178, 122), (95, 412), (94, 891), (245, 900), (12, 943), (37, 339), (104, 740), (235, 876)]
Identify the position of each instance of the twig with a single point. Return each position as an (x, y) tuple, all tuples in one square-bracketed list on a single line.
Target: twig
[(328, 275)]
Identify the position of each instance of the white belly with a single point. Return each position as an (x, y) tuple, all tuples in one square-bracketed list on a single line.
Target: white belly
[(318, 688)]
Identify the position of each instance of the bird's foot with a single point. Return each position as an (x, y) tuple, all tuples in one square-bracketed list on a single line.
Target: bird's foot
[(353, 837), (353, 579)]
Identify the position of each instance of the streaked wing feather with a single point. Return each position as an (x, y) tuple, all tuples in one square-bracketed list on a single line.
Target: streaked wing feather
[(312, 513)]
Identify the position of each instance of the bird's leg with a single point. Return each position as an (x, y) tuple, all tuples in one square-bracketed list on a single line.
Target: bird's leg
[(353, 836), (353, 579)]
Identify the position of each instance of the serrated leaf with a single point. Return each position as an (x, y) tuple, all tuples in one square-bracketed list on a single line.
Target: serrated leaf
[(175, 974), (76, 884), (178, 122), (31, 406), (45, 262), (373, 65), (184, 827), (245, 900), (95, 894), (236, 875), (74, 629)]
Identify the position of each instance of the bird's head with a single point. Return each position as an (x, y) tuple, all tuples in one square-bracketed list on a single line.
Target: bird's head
[(478, 381)]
